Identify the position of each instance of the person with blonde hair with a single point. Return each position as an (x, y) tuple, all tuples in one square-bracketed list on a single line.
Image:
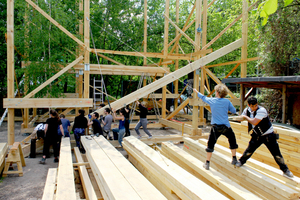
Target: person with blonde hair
[(143, 120), (220, 124)]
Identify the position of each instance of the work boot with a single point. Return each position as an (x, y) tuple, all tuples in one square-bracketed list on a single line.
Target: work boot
[(234, 161), (288, 174), (56, 160), (42, 161), (206, 165), (238, 164)]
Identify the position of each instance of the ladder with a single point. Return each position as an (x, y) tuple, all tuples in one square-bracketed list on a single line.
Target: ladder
[(98, 96)]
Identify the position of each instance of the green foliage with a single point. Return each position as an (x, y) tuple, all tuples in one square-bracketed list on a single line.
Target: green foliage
[(269, 7)]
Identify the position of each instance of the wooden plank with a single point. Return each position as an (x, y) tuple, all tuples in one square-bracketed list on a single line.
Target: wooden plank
[(145, 42), (159, 96), (46, 102), (284, 103), (166, 28), (274, 188), (172, 76), (58, 25), (3, 153), (65, 178), (179, 108), (86, 90), (233, 62), (184, 185), (194, 166), (139, 183), (49, 188), (178, 126), (36, 90), (106, 173), (270, 171), (142, 54), (199, 102), (244, 53), (84, 177), (10, 70), (148, 172)]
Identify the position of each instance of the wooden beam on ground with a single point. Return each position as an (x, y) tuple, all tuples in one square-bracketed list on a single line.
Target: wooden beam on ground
[(58, 25), (256, 182), (173, 76), (140, 184), (49, 188), (84, 177), (182, 183), (65, 178), (179, 108), (36, 90), (211, 176), (46, 103), (270, 171), (3, 153)]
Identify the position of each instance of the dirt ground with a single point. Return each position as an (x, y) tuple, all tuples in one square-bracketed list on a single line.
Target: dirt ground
[(31, 185)]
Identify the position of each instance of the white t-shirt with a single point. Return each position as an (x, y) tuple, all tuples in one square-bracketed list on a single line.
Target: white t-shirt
[(260, 114)]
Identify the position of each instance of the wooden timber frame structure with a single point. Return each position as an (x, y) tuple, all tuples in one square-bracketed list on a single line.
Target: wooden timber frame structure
[(202, 56)]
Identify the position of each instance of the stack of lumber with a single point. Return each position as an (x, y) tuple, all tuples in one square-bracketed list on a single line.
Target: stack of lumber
[(65, 175), (117, 178), (288, 143), (267, 170), (3, 152), (172, 180), (256, 182)]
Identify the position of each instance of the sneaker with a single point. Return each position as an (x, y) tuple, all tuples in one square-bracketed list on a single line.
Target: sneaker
[(42, 161), (288, 174), (56, 160), (139, 137), (206, 165), (238, 164), (234, 161), (149, 138), (110, 138)]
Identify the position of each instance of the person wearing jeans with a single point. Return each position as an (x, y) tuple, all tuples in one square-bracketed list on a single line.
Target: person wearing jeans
[(121, 129), (143, 120)]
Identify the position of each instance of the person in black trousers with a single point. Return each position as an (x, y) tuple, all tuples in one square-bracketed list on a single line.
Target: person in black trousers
[(80, 124), (51, 136), (127, 121)]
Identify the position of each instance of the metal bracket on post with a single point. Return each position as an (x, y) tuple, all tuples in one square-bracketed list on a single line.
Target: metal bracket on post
[(80, 72), (77, 74), (198, 71), (86, 67)]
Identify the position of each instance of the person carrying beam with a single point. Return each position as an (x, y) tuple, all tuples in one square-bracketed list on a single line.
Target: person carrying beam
[(220, 124), (262, 132)]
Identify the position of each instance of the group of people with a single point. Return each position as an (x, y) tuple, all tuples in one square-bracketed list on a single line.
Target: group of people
[(259, 126), (57, 127)]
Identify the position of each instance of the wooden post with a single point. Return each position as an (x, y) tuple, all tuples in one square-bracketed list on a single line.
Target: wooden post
[(145, 41), (242, 98), (284, 103), (244, 50), (86, 52), (10, 71), (177, 49), (166, 31), (164, 101), (196, 74)]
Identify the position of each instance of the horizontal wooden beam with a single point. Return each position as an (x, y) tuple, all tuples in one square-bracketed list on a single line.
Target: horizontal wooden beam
[(159, 96), (145, 54), (179, 126), (199, 102), (46, 102), (233, 62)]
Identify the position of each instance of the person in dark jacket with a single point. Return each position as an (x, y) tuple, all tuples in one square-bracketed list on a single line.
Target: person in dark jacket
[(80, 124), (95, 124), (51, 136), (262, 132), (143, 120)]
